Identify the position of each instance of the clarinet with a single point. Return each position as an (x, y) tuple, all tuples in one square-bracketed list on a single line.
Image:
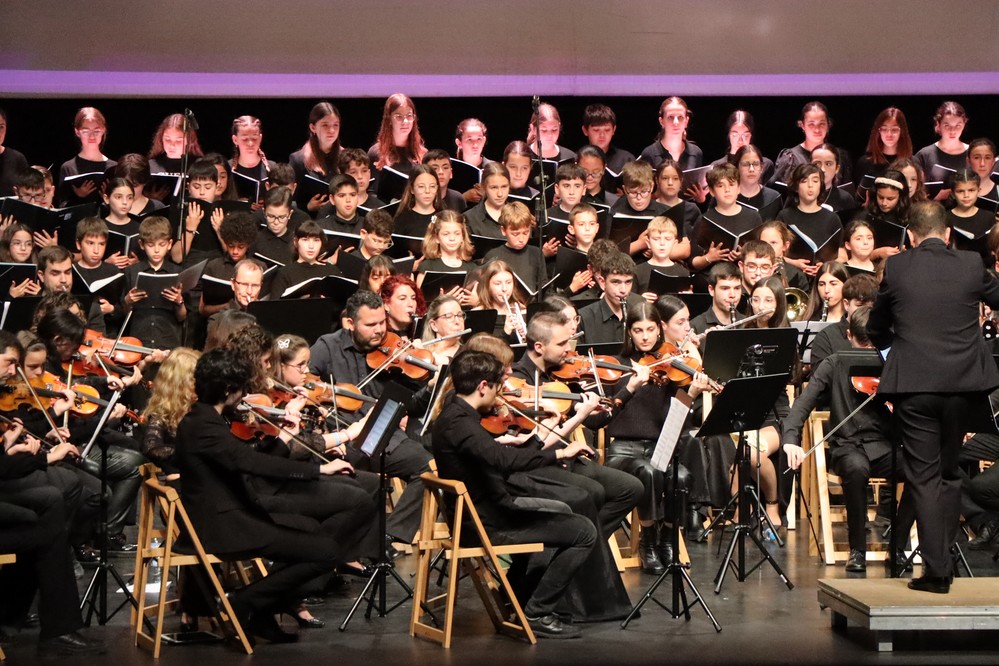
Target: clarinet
[(825, 309), (731, 313)]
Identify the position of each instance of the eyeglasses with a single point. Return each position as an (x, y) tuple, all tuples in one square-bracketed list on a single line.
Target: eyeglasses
[(378, 241), (450, 316), (576, 320), (398, 117), (750, 165), (91, 133), (17, 243), (884, 129), (741, 136), (301, 367), (31, 196), (277, 218), (596, 173), (639, 193), (761, 268), (248, 286)]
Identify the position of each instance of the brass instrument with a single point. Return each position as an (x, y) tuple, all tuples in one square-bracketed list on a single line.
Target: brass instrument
[(797, 303)]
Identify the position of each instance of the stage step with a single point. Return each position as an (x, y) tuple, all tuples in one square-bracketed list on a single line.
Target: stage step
[(885, 605)]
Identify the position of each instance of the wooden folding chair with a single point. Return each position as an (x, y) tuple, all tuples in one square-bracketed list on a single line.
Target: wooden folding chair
[(6, 558), (481, 562), (177, 525)]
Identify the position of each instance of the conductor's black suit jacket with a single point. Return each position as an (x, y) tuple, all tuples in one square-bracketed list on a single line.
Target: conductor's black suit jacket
[(927, 312), (226, 513)]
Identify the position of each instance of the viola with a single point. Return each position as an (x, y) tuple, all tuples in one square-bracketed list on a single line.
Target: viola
[(396, 353), (248, 427), (576, 367), (126, 350), (346, 397), (869, 386)]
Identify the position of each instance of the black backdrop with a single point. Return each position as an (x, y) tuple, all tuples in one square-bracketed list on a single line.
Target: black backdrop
[(42, 128)]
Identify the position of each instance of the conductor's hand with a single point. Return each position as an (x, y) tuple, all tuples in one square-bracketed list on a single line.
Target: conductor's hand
[(795, 455), (337, 467)]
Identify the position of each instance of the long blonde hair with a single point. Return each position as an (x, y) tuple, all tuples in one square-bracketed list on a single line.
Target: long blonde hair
[(173, 392)]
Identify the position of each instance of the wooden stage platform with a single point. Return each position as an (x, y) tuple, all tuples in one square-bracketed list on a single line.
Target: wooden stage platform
[(886, 605)]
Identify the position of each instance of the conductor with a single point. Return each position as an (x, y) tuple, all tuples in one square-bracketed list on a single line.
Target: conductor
[(937, 372)]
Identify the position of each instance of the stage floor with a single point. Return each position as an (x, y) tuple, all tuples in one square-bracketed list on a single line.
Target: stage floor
[(763, 622)]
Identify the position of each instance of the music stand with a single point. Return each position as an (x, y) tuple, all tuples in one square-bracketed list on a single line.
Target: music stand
[(744, 405), (665, 449), (807, 332), (725, 352), (373, 441)]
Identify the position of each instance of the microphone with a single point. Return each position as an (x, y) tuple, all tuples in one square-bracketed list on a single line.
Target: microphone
[(192, 122), (535, 103)]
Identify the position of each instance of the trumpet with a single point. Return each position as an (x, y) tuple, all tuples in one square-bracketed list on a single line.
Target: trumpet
[(797, 303), (517, 319)]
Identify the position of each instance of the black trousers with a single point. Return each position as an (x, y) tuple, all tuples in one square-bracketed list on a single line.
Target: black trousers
[(123, 480), (406, 459), (980, 494), (44, 562), (635, 458), (571, 536), (849, 461), (932, 428), (299, 558)]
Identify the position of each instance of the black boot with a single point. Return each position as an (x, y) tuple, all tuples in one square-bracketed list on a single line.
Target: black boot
[(665, 545), (647, 542)]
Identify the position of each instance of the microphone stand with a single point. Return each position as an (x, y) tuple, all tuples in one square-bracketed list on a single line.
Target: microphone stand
[(190, 123), (541, 202)]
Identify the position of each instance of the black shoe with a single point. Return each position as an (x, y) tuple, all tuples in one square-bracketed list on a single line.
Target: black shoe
[(352, 570), (665, 546), (934, 584), (263, 625), (857, 562), (118, 543), (311, 623), (87, 556), (552, 626), (647, 553), (986, 538), (190, 626), (72, 643), (695, 521), (393, 552), (902, 561)]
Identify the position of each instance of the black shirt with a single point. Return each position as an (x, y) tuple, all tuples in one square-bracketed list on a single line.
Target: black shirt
[(273, 247), (411, 223), (75, 167), (869, 427), (830, 340), (466, 452), (820, 226), (931, 158), (156, 327), (295, 273), (527, 263), (691, 157), (481, 223), (599, 323), (643, 272), (766, 202)]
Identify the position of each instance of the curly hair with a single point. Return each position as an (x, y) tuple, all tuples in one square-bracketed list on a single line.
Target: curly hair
[(393, 282), (251, 345), (173, 393)]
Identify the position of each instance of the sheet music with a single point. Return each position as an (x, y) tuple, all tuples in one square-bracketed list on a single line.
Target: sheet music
[(679, 408)]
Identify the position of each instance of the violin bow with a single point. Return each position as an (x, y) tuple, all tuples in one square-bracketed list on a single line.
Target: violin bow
[(69, 385), (596, 374), (121, 332), (833, 431)]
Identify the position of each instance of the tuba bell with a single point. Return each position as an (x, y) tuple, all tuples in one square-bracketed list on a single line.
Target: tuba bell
[(797, 303)]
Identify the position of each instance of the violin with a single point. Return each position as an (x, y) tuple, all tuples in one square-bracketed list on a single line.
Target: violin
[(346, 397), (48, 387), (504, 420), (125, 350), (248, 427), (87, 364), (668, 364), (554, 398), (576, 367), (395, 352)]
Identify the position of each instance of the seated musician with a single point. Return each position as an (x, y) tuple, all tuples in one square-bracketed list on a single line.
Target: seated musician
[(34, 526), (342, 356), (858, 290), (635, 429), (860, 449), (465, 451), (60, 334), (615, 493), (226, 510), (725, 287), (603, 321)]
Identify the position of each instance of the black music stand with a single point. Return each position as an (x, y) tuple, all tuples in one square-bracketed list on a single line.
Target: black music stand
[(807, 332), (726, 352), (373, 442), (96, 595), (744, 405), (676, 570)]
